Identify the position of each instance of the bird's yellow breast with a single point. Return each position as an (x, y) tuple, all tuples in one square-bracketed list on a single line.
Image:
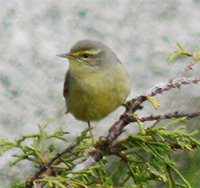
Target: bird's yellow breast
[(93, 95)]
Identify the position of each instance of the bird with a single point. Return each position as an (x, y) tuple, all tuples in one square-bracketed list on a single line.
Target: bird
[(96, 82)]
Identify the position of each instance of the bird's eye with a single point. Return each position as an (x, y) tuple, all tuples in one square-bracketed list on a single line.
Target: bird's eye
[(86, 55)]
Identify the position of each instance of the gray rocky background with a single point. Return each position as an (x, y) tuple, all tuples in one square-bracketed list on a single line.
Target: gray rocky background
[(143, 34)]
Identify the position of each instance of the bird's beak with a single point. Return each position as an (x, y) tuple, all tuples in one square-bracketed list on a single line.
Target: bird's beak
[(64, 55)]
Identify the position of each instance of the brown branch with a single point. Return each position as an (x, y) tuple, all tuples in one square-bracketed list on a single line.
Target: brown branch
[(165, 116), (117, 127), (120, 147), (174, 83), (45, 167), (135, 103), (189, 67)]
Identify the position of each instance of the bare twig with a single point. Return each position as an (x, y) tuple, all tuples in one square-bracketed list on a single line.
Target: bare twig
[(174, 83), (166, 116), (189, 67)]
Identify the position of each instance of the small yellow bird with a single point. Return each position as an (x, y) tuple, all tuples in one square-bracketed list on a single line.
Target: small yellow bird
[(96, 82)]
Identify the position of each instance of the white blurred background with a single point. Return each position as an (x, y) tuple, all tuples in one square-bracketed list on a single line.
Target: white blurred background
[(143, 34)]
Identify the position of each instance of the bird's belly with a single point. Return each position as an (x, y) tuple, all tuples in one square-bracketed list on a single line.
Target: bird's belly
[(92, 105)]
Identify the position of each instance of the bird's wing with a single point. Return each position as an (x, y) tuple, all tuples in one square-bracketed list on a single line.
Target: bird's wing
[(66, 84)]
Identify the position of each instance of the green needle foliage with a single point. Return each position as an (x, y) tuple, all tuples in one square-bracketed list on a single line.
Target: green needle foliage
[(151, 161), (38, 151), (145, 159)]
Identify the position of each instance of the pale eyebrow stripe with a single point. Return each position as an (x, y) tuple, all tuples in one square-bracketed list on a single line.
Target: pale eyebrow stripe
[(91, 52)]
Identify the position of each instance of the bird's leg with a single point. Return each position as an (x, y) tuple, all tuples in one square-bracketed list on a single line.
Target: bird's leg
[(90, 129)]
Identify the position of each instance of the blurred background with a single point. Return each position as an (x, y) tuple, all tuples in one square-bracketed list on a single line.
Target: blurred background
[(143, 34)]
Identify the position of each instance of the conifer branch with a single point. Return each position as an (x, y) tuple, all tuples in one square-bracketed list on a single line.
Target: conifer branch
[(74, 168)]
